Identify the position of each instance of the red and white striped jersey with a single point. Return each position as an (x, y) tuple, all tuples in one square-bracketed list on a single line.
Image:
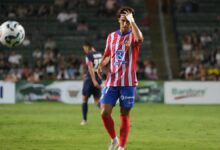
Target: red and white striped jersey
[(123, 51)]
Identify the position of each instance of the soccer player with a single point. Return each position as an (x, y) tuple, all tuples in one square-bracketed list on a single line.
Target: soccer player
[(122, 48), (92, 82)]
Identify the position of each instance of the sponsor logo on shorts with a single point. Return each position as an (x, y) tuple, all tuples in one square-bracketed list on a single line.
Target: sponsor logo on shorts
[(127, 97)]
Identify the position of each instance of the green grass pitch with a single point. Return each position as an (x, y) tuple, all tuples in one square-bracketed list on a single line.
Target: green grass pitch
[(56, 126)]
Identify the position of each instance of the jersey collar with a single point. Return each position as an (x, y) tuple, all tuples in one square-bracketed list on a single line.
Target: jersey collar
[(123, 34)]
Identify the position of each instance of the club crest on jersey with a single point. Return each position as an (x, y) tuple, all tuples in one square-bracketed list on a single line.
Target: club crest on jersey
[(120, 56)]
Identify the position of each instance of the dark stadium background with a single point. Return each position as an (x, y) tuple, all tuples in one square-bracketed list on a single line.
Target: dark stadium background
[(181, 37), (57, 29)]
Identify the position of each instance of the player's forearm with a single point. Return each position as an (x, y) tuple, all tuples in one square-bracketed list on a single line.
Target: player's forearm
[(104, 61), (135, 29), (137, 33), (92, 74)]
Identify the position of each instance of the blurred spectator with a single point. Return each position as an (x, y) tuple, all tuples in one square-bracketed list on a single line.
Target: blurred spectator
[(14, 74), (25, 71), (92, 3), (26, 42), (11, 12), (48, 56), (38, 74), (71, 70), (82, 26), (216, 36), (73, 16), (62, 73), (37, 54), (63, 16), (191, 71), (150, 70), (195, 38), (11, 77), (186, 43), (21, 11), (213, 73), (50, 44), (2, 69), (202, 72), (111, 7), (59, 3), (3, 56), (45, 10), (211, 60), (50, 70), (197, 54), (205, 38), (217, 57), (34, 76), (15, 58), (30, 10)]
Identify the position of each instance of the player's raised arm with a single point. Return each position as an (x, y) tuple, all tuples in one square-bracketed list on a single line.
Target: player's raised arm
[(135, 29)]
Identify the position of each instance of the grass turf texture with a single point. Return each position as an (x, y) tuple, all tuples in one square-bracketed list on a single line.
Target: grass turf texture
[(55, 126)]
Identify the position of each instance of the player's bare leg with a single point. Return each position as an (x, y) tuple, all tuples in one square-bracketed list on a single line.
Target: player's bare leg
[(106, 111), (97, 101), (124, 127), (84, 109)]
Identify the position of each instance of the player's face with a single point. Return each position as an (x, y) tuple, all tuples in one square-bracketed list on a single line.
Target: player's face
[(124, 24), (86, 49)]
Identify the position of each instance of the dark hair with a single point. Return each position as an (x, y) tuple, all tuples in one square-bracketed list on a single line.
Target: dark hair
[(87, 43), (123, 9)]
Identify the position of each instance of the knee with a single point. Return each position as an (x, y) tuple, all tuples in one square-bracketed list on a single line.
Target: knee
[(85, 100), (125, 111), (105, 113)]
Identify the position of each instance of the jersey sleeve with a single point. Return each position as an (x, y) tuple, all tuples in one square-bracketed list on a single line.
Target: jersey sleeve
[(107, 51), (88, 59), (134, 41)]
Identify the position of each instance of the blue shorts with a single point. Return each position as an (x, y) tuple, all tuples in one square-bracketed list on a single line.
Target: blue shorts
[(126, 96)]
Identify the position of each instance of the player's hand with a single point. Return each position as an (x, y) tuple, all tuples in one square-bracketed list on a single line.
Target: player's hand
[(129, 16), (96, 84), (99, 71)]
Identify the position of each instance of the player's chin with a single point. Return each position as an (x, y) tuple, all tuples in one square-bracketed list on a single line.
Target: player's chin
[(125, 29)]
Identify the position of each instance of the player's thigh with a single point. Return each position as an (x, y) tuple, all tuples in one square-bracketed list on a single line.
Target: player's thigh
[(110, 95), (127, 96)]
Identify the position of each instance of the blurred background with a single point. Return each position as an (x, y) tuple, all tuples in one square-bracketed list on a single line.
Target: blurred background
[(181, 37)]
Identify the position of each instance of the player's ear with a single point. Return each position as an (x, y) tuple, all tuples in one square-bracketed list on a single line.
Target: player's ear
[(119, 19)]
